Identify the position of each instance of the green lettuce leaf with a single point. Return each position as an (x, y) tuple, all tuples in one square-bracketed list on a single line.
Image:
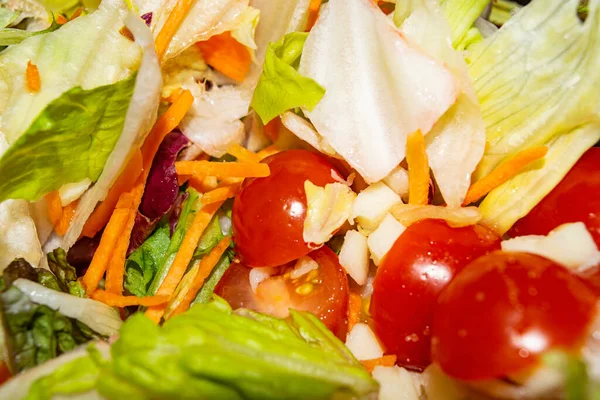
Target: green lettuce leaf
[(10, 36), (80, 129), (65, 273), (211, 352), (461, 16), (7, 17), (536, 80), (210, 238), (281, 87), (206, 291)]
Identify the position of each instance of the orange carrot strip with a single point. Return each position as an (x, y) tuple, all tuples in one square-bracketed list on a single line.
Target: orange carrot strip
[(168, 30), (183, 257), (385, 361), (313, 13), (221, 194), (271, 129), (32, 74), (226, 55), (109, 239), (503, 173), (418, 169), (205, 268), (124, 183), (222, 169), (268, 151), (116, 266), (173, 96), (65, 220), (76, 14), (115, 300), (243, 154), (61, 19), (203, 184), (55, 209), (354, 306)]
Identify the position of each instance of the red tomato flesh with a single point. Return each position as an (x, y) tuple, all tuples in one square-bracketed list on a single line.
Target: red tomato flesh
[(419, 265), (269, 213), (502, 311), (323, 291), (574, 199)]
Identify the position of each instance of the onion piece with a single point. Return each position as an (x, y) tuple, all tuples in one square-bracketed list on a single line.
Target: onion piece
[(455, 217)]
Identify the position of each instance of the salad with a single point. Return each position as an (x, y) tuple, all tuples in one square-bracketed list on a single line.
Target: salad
[(299, 199)]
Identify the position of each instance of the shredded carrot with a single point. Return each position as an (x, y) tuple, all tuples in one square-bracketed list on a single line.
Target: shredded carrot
[(503, 173), (271, 129), (226, 55), (221, 194), (32, 74), (65, 220), (183, 257), (203, 184), (243, 154), (222, 169), (61, 19), (354, 306), (116, 266), (313, 13), (205, 268), (385, 361), (55, 209), (76, 14), (418, 169), (141, 161), (115, 300), (171, 98), (124, 183), (269, 151), (172, 24), (126, 33)]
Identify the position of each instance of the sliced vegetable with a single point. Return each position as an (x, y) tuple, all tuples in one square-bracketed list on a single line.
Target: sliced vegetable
[(456, 217), (418, 169), (222, 169), (33, 77), (384, 361), (65, 219), (65, 274), (117, 300), (228, 56), (171, 25), (221, 194)]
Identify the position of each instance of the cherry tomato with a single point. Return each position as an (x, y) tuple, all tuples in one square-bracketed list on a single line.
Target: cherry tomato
[(504, 310), (323, 291), (574, 199), (269, 213), (419, 265), (5, 374)]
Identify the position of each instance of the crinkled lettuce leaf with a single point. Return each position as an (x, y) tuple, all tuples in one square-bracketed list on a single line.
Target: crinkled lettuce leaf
[(281, 87), (536, 80), (461, 15), (215, 353), (65, 273), (10, 36), (69, 141)]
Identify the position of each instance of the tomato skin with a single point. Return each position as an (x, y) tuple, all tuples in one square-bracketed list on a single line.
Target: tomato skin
[(328, 300), (504, 310), (419, 265), (5, 373), (269, 213), (573, 199)]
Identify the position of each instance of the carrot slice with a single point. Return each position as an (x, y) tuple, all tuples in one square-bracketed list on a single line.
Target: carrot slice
[(76, 14), (269, 151), (226, 55), (115, 300), (243, 154), (418, 169), (205, 268), (55, 209), (172, 24), (124, 183), (221, 194), (222, 169), (173, 96), (65, 219), (61, 19), (116, 266), (183, 257), (313, 13), (203, 184), (32, 74), (354, 306), (503, 173), (385, 361)]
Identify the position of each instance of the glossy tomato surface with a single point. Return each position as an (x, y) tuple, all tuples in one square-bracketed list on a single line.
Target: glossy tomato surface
[(419, 265), (502, 311), (269, 213), (323, 291), (575, 198)]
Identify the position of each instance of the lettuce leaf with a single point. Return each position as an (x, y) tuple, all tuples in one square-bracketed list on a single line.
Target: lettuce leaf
[(281, 87), (88, 123), (536, 81), (461, 16), (65, 273), (215, 353), (9, 36)]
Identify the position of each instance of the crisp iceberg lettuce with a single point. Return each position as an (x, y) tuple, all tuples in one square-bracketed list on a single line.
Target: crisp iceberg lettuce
[(536, 80)]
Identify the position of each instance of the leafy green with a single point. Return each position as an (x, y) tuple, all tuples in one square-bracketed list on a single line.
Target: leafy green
[(206, 291), (7, 17), (210, 238), (211, 352), (68, 142), (65, 273), (281, 87), (578, 384), (10, 36), (20, 268), (536, 81), (461, 15)]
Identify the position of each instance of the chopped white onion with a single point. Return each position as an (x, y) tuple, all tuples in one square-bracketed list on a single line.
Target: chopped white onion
[(303, 266), (354, 256), (373, 203), (363, 343), (383, 238), (397, 383), (257, 275)]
